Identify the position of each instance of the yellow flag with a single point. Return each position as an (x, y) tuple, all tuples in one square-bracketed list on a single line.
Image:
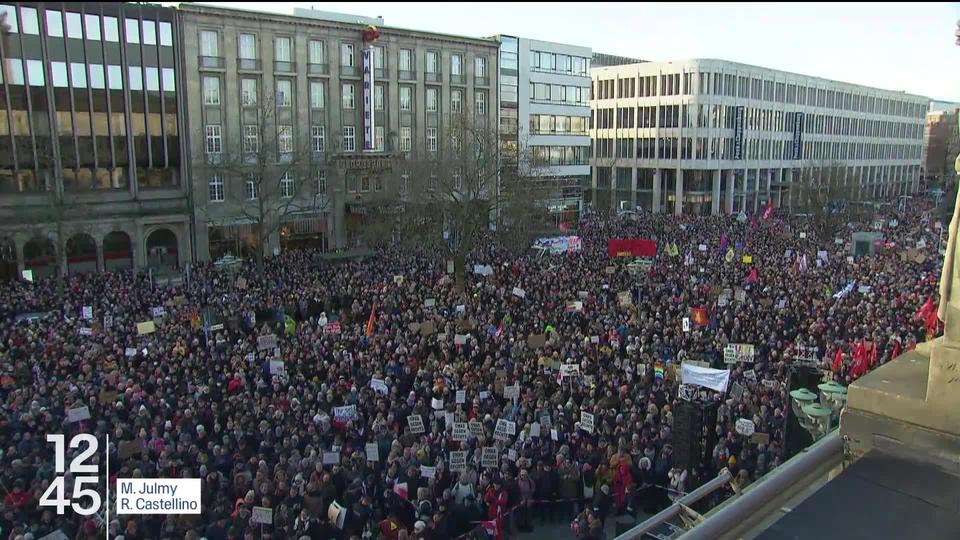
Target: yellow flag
[(730, 255)]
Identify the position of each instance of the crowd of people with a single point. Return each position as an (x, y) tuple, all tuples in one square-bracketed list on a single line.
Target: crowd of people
[(392, 405)]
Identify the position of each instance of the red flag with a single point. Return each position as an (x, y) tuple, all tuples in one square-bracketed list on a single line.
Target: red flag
[(838, 360), (873, 356), (796, 264), (699, 316), (769, 211), (932, 321), (924, 311), (896, 350), (754, 275), (564, 227), (370, 321)]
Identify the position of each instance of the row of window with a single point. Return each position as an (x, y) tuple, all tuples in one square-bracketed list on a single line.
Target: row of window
[(317, 54), (558, 93), (549, 124), (561, 155), (216, 189), (86, 26), (80, 75), (755, 119), (213, 139), (211, 85), (753, 149), (559, 63), (731, 85)]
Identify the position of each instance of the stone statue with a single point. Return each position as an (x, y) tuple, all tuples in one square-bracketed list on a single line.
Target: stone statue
[(949, 274)]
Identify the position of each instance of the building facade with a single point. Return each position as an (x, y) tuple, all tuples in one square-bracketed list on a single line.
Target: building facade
[(942, 144), (267, 81), (545, 109), (91, 169), (711, 136)]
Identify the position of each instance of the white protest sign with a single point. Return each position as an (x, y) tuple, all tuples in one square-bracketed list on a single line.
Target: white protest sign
[(803, 235), (262, 515), (428, 472), (27, 275), (476, 428), (86, 331), (502, 430), (535, 429), (78, 414), (158, 312), (459, 339), (87, 312), (461, 396), (489, 457), (345, 413), (331, 458), (266, 342), (517, 291), (569, 370), (379, 386), (586, 421), (511, 392), (372, 451), (458, 461), (436, 404), (715, 379), (702, 247), (276, 367), (398, 280), (686, 324), (745, 427), (459, 431), (130, 351), (429, 302), (553, 435), (751, 375), (415, 423)]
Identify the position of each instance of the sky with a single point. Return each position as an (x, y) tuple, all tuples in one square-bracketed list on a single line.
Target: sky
[(896, 46)]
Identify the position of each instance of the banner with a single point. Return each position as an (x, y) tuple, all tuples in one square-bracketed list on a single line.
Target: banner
[(560, 244), (738, 132), (714, 379), (368, 117), (798, 118), (631, 247)]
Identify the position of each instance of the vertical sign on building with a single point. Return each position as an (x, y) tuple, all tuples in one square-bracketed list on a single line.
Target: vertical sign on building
[(738, 132), (368, 121), (798, 135)]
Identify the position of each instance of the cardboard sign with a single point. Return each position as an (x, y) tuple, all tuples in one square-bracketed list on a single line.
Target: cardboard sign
[(535, 341), (458, 461), (373, 451), (760, 438), (276, 367), (461, 396), (460, 431), (535, 429), (427, 328), (430, 302), (331, 458), (415, 423), (511, 392), (745, 426), (86, 312), (459, 339), (398, 280), (128, 449), (517, 291), (436, 404), (586, 421), (147, 327), (78, 414), (379, 386), (266, 342), (476, 428), (489, 457)]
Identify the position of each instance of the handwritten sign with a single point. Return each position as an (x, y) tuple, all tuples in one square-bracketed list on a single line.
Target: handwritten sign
[(428, 472), (262, 515), (511, 392), (147, 327), (415, 423), (745, 426), (459, 431), (586, 421), (331, 458), (345, 413), (461, 396), (517, 291), (458, 461), (489, 457), (266, 342), (78, 414)]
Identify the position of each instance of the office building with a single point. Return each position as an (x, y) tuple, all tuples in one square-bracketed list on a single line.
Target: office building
[(942, 144), (90, 145), (310, 69), (711, 136), (545, 110)]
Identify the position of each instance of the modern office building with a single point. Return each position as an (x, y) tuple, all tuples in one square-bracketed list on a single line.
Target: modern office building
[(545, 109), (270, 81), (711, 136), (942, 144), (90, 145)]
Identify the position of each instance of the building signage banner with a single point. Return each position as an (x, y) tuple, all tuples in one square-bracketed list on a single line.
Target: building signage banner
[(798, 135), (368, 122), (738, 132)]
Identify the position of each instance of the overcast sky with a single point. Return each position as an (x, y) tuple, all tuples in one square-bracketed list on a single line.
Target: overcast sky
[(898, 46)]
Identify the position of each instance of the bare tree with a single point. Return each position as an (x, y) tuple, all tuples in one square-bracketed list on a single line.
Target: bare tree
[(277, 168), (831, 196), (468, 185)]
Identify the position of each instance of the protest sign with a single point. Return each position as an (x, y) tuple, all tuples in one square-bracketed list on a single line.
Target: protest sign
[(715, 379), (745, 426), (436, 404), (430, 302), (78, 414), (751, 375), (476, 428), (511, 392), (428, 472), (586, 421), (553, 435), (687, 392), (266, 342), (459, 339), (489, 457), (738, 352), (460, 431), (461, 396), (158, 312), (87, 312), (262, 515), (748, 259), (502, 430), (458, 461), (736, 391), (624, 298), (147, 327), (686, 324), (331, 458), (86, 331), (415, 423), (517, 291), (535, 341), (398, 280), (379, 386), (276, 367), (372, 451), (130, 351), (332, 329), (760, 438), (345, 413), (535, 429)]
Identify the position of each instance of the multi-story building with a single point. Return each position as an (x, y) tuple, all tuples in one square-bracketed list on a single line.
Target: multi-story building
[(310, 70), (705, 136), (942, 144), (91, 175), (545, 110)]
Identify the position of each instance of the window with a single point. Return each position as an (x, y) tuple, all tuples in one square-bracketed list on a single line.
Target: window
[(433, 61), (31, 25), (456, 101), (348, 97), (115, 77), (253, 186), (215, 188), (149, 30), (166, 34), (321, 178), (208, 43), (316, 95), (248, 47), (133, 31), (456, 64), (318, 136), (214, 141), (378, 54), (97, 78), (406, 98), (54, 23), (92, 24), (284, 93), (431, 100), (346, 55), (406, 60), (287, 185), (211, 91), (406, 139), (480, 66), (458, 180), (10, 14), (349, 138), (59, 74), (404, 181), (35, 72), (317, 53), (481, 102), (432, 139), (364, 184), (378, 91), (251, 139), (281, 49), (248, 92), (378, 138), (285, 139), (136, 76), (111, 29), (378, 182)]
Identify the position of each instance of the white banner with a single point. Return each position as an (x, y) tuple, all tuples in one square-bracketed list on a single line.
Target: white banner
[(714, 379), (560, 244)]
